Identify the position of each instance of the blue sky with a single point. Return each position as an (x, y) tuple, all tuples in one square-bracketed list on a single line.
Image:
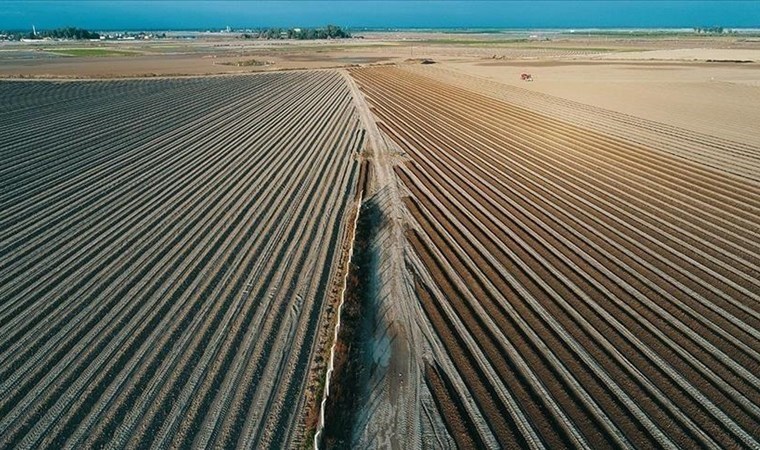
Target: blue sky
[(165, 14)]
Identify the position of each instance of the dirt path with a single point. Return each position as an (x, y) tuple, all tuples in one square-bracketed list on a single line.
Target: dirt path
[(396, 413)]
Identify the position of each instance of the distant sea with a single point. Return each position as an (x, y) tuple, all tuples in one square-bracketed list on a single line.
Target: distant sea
[(399, 14)]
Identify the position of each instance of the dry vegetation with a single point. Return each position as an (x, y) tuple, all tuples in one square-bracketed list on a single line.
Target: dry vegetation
[(169, 256)]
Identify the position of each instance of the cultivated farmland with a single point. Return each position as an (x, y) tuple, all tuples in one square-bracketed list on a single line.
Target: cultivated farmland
[(171, 253), (577, 283)]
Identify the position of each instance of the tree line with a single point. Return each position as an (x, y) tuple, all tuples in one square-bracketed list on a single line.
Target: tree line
[(713, 30), (328, 32), (58, 33)]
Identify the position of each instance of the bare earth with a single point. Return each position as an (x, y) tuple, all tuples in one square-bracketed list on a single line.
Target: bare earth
[(666, 80), (586, 288), (567, 262), (493, 322), (713, 98)]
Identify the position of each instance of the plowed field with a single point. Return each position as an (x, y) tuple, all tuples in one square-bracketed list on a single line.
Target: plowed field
[(589, 289), (170, 253)]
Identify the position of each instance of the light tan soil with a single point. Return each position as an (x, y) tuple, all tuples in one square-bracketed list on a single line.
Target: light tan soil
[(717, 99)]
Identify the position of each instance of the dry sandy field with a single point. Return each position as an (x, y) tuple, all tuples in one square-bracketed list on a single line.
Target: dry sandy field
[(572, 262)]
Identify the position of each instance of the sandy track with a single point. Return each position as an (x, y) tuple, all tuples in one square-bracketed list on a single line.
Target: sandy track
[(610, 285), (396, 394), (171, 257)]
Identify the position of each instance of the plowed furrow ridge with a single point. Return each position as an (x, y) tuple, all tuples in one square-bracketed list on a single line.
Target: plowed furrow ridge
[(170, 251), (599, 289)]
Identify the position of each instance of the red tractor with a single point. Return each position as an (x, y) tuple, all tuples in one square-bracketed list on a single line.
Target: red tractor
[(526, 77)]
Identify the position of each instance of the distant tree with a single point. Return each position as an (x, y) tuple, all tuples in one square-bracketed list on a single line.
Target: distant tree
[(329, 32), (709, 30), (58, 33)]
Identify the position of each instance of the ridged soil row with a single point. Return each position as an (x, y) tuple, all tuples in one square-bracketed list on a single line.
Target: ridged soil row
[(226, 267), (743, 308), (723, 202), (116, 144), (744, 275), (30, 102), (118, 119), (200, 368), (120, 203), (587, 298), (745, 346), (740, 305), (134, 249), (700, 147), (454, 414)]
